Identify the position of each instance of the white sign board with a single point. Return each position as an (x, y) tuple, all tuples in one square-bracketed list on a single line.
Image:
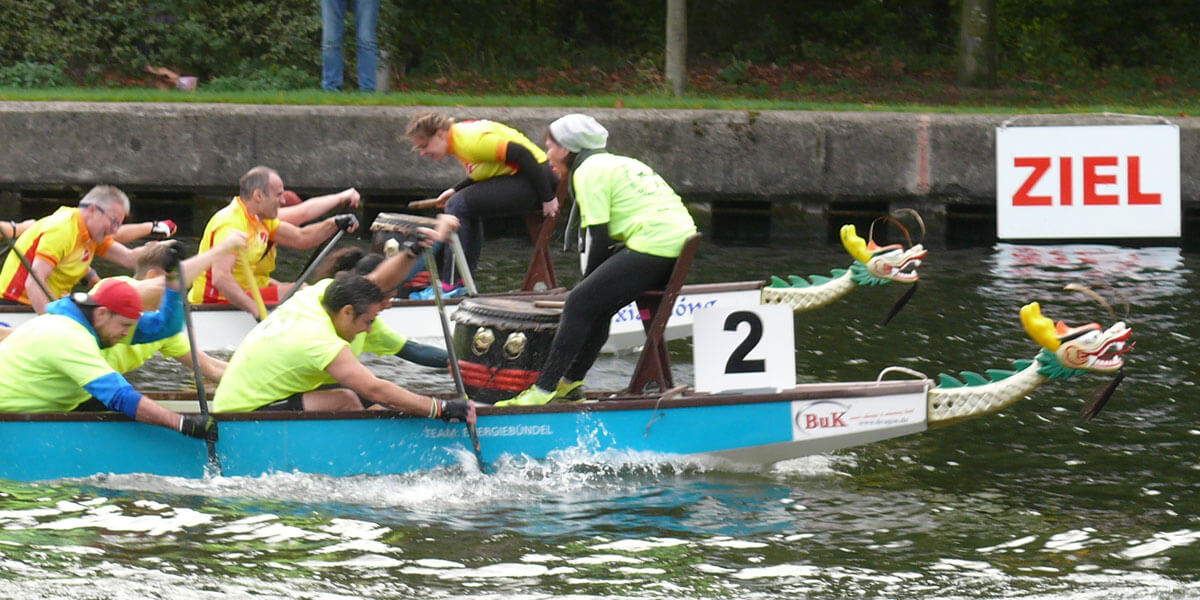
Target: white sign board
[(828, 418), (744, 348), (1118, 181)]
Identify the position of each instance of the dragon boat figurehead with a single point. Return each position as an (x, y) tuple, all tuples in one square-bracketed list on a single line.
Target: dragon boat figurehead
[(890, 263), (1086, 347)]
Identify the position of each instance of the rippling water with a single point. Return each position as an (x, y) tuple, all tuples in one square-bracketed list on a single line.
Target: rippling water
[(1031, 503)]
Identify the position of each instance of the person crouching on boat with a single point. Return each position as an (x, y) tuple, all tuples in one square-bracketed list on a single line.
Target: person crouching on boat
[(507, 175), (52, 363), (302, 357), (633, 227), (149, 280)]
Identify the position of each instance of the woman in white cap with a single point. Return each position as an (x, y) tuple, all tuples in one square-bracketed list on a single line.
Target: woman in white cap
[(507, 175), (632, 227)]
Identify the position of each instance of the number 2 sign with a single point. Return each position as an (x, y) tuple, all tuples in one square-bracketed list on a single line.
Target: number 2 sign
[(744, 348)]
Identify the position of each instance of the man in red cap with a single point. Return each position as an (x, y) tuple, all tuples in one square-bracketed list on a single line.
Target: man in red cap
[(53, 362)]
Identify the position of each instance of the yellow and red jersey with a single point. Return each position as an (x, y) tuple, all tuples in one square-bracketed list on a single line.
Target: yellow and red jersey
[(60, 239), (481, 147), (260, 249)]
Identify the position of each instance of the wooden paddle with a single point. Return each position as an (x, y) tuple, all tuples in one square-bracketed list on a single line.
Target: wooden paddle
[(214, 461), (248, 275), (454, 368)]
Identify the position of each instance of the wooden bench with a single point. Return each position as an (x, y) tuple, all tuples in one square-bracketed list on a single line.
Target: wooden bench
[(654, 364)]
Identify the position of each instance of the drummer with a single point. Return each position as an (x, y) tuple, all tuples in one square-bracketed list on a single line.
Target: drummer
[(255, 211), (302, 356), (634, 227), (506, 175)]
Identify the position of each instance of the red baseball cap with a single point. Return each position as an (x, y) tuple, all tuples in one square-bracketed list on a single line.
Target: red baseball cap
[(117, 296), (290, 198)]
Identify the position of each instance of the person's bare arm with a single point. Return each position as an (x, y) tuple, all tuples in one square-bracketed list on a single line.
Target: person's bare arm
[(233, 241), (213, 368), (224, 281), (121, 254), (308, 236), (33, 289), (313, 208), (346, 369)]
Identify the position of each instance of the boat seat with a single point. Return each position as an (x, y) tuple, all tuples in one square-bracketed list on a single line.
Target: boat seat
[(541, 269), (654, 364)]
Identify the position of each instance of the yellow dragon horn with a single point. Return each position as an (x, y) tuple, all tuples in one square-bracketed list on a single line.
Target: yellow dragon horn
[(855, 245), (1038, 327)]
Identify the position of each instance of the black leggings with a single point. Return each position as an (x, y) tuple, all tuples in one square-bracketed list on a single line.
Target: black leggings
[(590, 306), (503, 196)]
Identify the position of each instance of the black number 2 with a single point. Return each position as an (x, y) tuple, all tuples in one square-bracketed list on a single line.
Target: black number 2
[(737, 362)]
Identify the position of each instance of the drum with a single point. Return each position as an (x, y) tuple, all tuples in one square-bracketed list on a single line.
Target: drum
[(502, 344), (396, 226)]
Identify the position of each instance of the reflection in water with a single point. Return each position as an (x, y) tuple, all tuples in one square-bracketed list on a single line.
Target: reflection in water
[(1030, 503)]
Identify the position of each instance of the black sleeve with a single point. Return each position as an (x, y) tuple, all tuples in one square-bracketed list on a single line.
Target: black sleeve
[(424, 354), (462, 184), (599, 247), (531, 169)]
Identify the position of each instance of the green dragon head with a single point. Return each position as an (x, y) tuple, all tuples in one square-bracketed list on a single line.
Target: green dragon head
[(882, 264), (1069, 351)]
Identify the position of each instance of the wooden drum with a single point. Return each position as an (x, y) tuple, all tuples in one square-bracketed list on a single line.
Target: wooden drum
[(502, 344)]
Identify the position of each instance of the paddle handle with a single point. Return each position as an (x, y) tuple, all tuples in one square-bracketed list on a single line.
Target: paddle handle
[(312, 264), (248, 275), (423, 204)]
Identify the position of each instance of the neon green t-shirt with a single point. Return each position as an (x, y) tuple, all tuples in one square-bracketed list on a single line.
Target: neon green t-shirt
[(639, 207), (45, 363), (289, 351)]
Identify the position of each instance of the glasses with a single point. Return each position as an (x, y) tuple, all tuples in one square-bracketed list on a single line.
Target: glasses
[(116, 223)]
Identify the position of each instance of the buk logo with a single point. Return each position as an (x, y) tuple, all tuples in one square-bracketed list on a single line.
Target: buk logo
[(822, 415)]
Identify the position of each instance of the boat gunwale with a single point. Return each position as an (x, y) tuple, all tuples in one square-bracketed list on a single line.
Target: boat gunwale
[(807, 391)]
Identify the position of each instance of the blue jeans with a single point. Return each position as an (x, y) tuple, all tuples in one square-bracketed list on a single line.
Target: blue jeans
[(333, 17)]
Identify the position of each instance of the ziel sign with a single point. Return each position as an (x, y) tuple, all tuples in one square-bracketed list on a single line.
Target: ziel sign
[(1117, 181)]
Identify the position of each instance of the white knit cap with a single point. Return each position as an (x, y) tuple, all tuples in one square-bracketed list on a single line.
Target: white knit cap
[(577, 132)]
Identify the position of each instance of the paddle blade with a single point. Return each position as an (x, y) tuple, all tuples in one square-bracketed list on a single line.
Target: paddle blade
[(1100, 398), (903, 300)]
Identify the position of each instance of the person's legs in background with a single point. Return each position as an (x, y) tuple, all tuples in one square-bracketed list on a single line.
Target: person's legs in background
[(333, 15), (366, 17)]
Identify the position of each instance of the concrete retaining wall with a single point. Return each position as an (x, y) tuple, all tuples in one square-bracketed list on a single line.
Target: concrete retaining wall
[(779, 155)]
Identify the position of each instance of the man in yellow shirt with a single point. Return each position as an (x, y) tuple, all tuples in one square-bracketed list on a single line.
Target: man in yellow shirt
[(61, 247), (255, 211), (286, 362)]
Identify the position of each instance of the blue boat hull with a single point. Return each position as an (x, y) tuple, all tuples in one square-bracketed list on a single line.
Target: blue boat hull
[(747, 428)]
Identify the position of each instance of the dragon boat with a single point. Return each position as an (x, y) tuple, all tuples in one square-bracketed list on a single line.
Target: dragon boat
[(746, 427), (222, 327)]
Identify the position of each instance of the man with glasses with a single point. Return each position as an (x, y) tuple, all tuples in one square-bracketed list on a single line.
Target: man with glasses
[(302, 357), (61, 247)]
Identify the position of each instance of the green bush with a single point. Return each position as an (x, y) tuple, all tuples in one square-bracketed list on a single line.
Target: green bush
[(33, 75)]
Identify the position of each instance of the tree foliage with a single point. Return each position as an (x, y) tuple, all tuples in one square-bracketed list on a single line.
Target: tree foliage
[(98, 41)]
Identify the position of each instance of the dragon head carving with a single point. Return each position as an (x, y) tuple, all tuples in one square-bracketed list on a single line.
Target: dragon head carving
[(1083, 348), (884, 263)]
